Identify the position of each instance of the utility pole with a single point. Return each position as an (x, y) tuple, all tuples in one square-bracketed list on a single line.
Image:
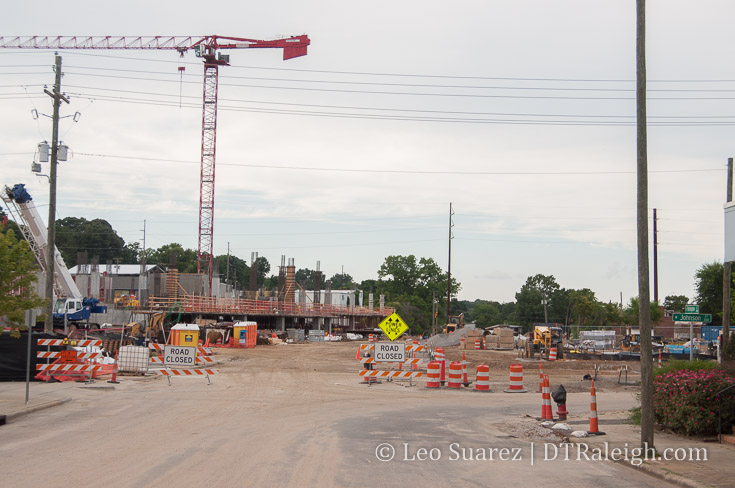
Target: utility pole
[(655, 258), (51, 240), (726, 280), (644, 294), (545, 302), (143, 280), (227, 273), (449, 265)]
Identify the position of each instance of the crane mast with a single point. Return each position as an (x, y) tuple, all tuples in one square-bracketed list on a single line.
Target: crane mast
[(206, 47)]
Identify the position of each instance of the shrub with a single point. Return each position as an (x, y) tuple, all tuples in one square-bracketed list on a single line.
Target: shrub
[(686, 401), (684, 365)]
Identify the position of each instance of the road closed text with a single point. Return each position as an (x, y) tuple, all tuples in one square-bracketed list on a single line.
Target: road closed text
[(390, 352)]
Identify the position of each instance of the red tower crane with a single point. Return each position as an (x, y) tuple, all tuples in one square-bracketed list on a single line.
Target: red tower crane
[(207, 48)]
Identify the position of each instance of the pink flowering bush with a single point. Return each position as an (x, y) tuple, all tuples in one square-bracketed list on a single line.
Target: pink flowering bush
[(686, 401)]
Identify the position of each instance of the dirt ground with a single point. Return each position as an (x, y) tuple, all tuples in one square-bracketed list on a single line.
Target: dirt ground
[(299, 415)]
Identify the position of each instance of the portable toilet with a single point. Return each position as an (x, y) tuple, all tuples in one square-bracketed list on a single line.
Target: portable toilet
[(185, 335), (244, 334)]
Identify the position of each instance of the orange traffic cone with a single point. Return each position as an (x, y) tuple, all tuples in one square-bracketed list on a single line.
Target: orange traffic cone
[(540, 376), (357, 355), (465, 381), (594, 429)]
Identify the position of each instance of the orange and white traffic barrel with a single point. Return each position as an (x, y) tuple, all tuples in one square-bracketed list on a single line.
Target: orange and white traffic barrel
[(478, 344), (594, 428), (462, 343), (455, 375), (482, 380), (546, 412), (442, 358), (552, 354), (433, 379), (516, 379), (371, 338)]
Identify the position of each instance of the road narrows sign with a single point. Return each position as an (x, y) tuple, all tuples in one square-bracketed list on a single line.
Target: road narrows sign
[(393, 326)]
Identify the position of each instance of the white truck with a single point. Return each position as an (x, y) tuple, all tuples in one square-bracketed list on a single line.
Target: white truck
[(69, 303)]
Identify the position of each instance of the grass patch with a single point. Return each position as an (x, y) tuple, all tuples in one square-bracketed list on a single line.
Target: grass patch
[(635, 416)]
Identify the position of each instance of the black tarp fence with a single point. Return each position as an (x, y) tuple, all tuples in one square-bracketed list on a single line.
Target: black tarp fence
[(13, 353)]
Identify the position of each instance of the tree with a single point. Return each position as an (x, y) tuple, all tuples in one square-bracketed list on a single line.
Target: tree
[(96, 237), (485, 314), (305, 277), (631, 312), (708, 283), (19, 273), (675, 303), (529, 308), (342, 281), (185, 259)]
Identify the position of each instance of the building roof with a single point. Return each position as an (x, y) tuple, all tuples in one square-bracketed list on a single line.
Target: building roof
[(115, 269)]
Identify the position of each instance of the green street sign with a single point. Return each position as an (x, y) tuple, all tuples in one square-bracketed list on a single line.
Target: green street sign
[(691, 317), (691, 309)]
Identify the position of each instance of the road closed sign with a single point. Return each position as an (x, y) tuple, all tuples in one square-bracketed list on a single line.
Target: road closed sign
[(390, 352), (179, 355)]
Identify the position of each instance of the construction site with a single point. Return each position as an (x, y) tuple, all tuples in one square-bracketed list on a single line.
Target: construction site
[(135, 374)]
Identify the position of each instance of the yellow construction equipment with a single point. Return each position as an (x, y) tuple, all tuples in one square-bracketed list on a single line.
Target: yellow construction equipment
[(544, 338), (455, 322)]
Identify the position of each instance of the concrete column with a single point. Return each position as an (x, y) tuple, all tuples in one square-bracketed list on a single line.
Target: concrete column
[(281, 321)]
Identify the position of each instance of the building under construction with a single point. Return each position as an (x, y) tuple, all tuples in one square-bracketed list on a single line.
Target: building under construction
[(185, 297)]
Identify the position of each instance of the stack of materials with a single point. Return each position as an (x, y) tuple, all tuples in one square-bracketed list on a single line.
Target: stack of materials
[(472, 336), (491, 341), (505, 338)]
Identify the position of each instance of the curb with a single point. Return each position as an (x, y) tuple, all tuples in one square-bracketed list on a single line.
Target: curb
[(15, 415), (664, 475)]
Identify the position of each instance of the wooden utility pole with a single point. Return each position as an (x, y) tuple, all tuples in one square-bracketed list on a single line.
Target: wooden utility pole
[(644, 295), (449, 265), (655, 258), (726, 280), (51, 239)]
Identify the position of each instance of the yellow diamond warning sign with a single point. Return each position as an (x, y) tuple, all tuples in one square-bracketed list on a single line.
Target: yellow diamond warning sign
[(393, 326)]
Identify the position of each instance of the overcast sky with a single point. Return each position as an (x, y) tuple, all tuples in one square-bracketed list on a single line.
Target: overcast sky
[(522, 114)]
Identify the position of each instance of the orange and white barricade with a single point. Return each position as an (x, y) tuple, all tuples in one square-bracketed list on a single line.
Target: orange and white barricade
[(516, 379), (482, 379)]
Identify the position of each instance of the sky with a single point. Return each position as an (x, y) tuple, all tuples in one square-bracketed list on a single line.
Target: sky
[(520, 114)]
